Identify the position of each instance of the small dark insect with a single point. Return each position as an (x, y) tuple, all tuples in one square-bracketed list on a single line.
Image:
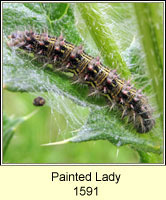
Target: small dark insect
[(39, 101)]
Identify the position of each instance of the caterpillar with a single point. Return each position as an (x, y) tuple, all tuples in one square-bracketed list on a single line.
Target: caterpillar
[(89, 70)]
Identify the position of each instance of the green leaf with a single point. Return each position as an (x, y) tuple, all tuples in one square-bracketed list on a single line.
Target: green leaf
[(10, 125), (100, 126), (146, 157), (111, 30), (151, 26)]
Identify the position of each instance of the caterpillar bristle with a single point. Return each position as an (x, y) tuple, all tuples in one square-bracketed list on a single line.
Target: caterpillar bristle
[(77, 81), (94, 93)]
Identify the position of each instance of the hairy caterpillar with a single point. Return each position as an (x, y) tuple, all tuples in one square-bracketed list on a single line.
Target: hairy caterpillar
[(87, 69)]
